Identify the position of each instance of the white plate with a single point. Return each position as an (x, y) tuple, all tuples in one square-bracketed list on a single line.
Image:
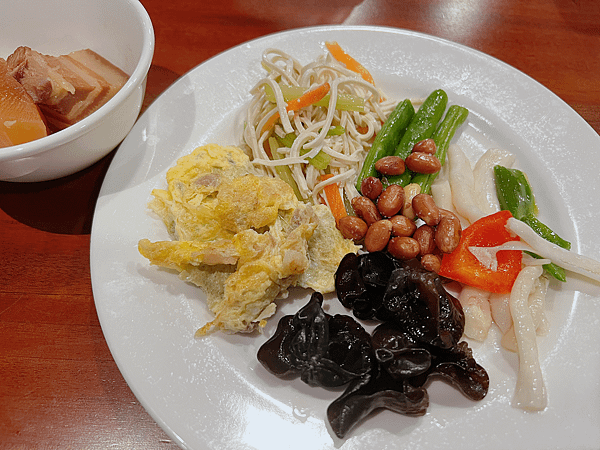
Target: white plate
[(213, 394)]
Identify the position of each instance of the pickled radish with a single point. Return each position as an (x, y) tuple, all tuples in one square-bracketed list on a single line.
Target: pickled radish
[(20, 118)]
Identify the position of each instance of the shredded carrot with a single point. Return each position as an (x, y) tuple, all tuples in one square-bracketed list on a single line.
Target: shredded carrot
[(347, 60), (270, 123), (308, 98), (334, 199)]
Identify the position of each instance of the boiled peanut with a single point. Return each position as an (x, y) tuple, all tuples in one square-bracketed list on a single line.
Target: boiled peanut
[(425, 146), (378, 235), (402, 225), (410, 191), (447, 213), (447, 234), (403, 247), (365, 209), (426, 209), (421, 162), (424, 235), (371, 187), (431, 262), (352, 227), (391, 200), (390, 165)]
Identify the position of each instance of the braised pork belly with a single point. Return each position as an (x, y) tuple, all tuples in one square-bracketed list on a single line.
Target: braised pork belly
[(67, 88)]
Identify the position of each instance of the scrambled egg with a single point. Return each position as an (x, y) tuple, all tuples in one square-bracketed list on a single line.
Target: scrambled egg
[(244, 239)]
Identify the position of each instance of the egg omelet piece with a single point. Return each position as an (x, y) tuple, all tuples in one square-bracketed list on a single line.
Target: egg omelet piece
[(326, 248), (252, 202), (187, 207), (177, 255), (269, 264), (243, 239)]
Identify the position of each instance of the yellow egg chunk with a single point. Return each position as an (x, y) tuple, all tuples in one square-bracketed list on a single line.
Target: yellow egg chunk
[(253, 202), (244, 239)]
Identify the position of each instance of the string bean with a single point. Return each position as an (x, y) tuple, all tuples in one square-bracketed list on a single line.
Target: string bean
[(515, 195), (386, 140), (422, 126)]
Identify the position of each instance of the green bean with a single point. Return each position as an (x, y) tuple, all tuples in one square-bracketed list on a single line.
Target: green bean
[(442, 136), (386, 140), (514, 192), (545, 231), (515, 195), (552, 269), (422, 126)]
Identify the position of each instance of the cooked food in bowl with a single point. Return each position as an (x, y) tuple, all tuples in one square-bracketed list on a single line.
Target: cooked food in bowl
[(120, 31), (65, 89)]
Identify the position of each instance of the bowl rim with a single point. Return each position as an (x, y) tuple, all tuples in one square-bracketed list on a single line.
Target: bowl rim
[(48, 143)]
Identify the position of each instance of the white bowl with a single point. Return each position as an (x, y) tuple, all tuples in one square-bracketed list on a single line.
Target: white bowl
[(118, 30)]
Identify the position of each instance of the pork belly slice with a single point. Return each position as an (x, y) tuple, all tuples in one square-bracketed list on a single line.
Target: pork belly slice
[(115, 77), (73, 108), (66, 88), (43, 81)]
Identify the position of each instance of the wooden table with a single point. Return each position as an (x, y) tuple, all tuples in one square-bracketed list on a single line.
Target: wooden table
[(59, 386)]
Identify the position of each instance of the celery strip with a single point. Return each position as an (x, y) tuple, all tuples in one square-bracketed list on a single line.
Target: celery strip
[(321, 160), (345, 102), (284, 172), (287, 140), (336, 130)]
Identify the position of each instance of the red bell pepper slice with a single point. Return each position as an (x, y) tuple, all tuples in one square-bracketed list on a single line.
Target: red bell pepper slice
[(461, 265)]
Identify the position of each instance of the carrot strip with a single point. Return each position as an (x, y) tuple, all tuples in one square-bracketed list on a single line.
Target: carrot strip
[(270, 123), (347, 60), (334, 199), (306, 99), (309, 97)]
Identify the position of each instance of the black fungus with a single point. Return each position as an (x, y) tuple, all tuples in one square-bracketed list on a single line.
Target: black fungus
[(399, 355), (418, 340), (376, 390), (457, 366), (401, 369), (324, 350), (378, 286)]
